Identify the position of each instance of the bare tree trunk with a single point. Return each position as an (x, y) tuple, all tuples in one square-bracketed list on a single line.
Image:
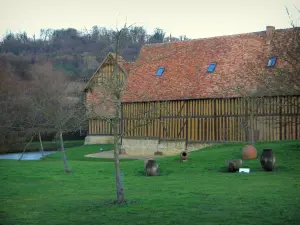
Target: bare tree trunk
[(116, 123), (26, 147), (119, 185), (63, 154), (41, 145)]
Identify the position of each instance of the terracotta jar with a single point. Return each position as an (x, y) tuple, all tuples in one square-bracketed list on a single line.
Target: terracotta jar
[(267, 159), (184, 155), (249, 152)]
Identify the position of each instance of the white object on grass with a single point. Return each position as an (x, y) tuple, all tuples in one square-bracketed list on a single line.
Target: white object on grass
[(244, 170), (100, 149)]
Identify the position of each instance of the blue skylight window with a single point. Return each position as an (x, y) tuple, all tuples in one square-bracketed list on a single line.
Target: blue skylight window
[(272, 61), (160, 71), (211, 67)]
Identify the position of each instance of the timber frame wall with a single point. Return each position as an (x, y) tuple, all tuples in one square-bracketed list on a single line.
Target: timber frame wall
[(208, 120)]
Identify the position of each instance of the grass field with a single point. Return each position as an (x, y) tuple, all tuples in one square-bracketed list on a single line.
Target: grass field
[(194, 192)]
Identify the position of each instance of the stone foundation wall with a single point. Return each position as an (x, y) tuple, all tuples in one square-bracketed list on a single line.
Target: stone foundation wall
[(89, 140), (149, 147)]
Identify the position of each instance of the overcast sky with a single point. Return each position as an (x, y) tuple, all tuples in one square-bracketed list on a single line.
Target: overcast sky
[(194, 18)]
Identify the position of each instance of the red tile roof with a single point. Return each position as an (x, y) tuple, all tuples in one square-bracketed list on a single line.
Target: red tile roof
[(128, 66), (186, 62)]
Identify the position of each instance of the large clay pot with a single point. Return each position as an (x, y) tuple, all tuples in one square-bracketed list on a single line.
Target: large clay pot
[(249, 152), (151, 168), (184, 155), (234, 165), (267, 159)]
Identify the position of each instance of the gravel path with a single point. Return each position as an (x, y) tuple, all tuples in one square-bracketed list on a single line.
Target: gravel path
[(110, 155)]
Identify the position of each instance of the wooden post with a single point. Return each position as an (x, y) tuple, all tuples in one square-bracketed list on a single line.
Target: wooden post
[(159, 126), (286, 111), (296, 117), (215, 120), (187, 125), (111, 127), (252, 102), (246, 120), (280, 118), (149, 114)]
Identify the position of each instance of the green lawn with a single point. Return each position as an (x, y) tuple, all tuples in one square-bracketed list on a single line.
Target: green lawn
[(194, 192)]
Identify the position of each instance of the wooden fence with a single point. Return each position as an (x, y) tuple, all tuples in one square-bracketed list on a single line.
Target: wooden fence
[(209, 120)]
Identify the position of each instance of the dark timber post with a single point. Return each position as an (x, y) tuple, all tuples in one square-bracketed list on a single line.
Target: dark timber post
[(246, 120), (286, 112), (215, 118), (111, 126), (148, 113), (187, 124), (159, 125), (280, 118), (296, 118)]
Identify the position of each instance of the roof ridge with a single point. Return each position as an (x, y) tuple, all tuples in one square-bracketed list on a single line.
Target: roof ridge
[(206, 38), (214, 37)]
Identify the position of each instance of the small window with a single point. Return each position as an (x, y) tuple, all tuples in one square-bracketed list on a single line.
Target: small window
[(211, 67), (272, 61), (160, 71)]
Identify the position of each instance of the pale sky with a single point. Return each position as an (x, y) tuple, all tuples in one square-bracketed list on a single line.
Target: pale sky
[(194, 18)]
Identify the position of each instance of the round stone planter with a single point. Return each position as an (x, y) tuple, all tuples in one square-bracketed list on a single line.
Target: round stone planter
[(122, 151), (249, 152), (158, 153), (184, 155), (267, 159), (151, 168), (234, 165)]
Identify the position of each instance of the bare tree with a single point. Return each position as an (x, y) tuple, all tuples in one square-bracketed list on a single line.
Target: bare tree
[(108, 90), (14, 116), (8, 113), (6, 95), (56, 102), (284, 79), (260, 81), (28, 125), (108, 105)]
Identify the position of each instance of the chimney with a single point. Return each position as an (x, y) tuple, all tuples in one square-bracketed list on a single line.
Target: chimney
[(270, 32)]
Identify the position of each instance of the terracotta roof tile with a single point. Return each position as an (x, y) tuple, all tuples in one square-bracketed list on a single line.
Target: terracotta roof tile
[(186, 62), (128, 66)]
